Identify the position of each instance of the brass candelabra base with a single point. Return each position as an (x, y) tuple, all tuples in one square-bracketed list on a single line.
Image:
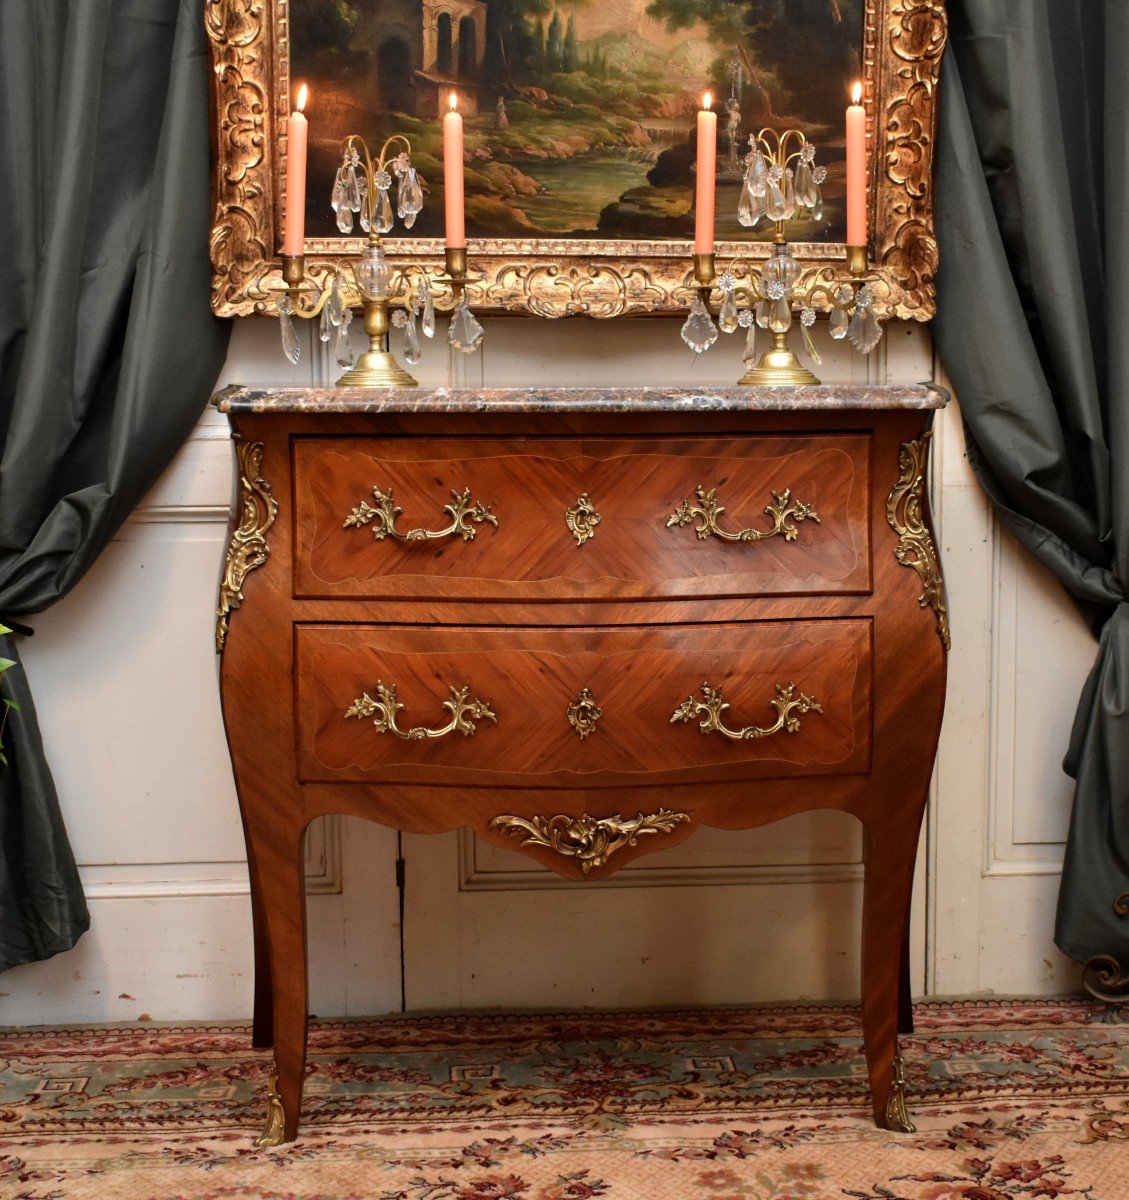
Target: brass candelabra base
[(377, 367), (778, 367)]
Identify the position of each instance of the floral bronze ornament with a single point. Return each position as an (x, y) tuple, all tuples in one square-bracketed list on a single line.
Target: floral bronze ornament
[(901, 52), (583, 713), (462, 509), (590, 840), (385, 709), (787, 702), (783, 510), (248, 548), (905, 513), (897, 1114), (582, 519)]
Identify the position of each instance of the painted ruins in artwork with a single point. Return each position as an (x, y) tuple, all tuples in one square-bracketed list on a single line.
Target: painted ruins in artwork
[(579, 113)]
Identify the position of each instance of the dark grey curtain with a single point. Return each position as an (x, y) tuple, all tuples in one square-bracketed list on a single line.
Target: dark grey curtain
[(108, 349), (1033, 305)]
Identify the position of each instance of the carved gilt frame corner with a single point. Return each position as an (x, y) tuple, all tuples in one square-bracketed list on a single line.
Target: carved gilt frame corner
[(904, 41)]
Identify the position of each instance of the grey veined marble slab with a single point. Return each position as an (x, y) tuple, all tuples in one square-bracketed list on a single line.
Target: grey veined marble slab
[(578, 399)]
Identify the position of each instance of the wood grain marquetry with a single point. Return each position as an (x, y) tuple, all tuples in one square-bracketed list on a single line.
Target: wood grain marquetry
[(635, 486), (528, 678), (586, 692)]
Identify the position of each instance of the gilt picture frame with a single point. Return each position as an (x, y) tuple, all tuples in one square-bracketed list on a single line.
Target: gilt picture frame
[(600, 272)]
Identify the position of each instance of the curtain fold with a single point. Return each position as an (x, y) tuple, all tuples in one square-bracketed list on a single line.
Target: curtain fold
[(1033, 227), (108, 349)]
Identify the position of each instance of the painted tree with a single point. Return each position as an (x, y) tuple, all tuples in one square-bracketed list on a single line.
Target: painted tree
[(793, 40), (554, 44), (571, 46)]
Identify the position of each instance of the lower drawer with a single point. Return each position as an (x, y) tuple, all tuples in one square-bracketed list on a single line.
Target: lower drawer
[(582, 707)]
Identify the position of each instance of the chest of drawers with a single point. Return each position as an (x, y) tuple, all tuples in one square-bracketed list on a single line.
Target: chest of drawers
[(580, 623)]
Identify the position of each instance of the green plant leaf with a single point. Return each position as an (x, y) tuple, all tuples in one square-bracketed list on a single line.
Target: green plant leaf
[(11, 704), (5, 663), (4, 629)]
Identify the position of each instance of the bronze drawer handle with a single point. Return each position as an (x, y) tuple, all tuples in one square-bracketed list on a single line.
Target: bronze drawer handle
[(707, 511), (787, 703), (385, 708), (383, 516)]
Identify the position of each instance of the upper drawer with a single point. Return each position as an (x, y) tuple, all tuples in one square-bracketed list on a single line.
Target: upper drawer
[(795, 517), (486, 707)]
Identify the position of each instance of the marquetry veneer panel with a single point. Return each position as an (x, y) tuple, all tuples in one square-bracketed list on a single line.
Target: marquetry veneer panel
[(637, 676), (529, 484)]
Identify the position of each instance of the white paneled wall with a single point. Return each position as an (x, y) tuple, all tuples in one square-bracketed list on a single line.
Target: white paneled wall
[(124, 674)]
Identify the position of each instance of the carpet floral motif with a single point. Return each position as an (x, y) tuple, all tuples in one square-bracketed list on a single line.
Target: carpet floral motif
[(1011, 1100)]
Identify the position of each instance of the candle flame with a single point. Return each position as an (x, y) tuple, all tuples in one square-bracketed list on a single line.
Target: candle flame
[(453, 101), (707, 100), (856, 93), (303, 92)]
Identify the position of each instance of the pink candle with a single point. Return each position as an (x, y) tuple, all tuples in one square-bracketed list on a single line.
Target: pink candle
[(294, 231), (453, 176), (706, 185), (856, 170)]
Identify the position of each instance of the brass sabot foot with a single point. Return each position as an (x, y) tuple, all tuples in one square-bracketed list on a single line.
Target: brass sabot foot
[(377, 369), (897, 1115), (275, 1128)]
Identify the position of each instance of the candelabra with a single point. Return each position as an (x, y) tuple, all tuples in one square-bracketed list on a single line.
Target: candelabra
[(361, 187), (781, 184)]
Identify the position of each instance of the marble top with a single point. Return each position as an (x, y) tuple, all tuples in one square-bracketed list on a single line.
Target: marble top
[(577, 399)]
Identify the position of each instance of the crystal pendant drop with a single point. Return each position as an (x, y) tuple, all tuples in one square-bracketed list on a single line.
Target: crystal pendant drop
[(412, 351), (464, 331), (409, 197), (343, 351), (805, 185), (427, 311), (809, 346), (382, 211), (727, 318), (775, 207), (818, 175), (757, 177), (748, 322), (780, 317), (337, 198), (352, 189), (750, 208), (807, 320), (699, 332), (762, 313), (789, 195), (362, 187), (334, 306), (345, 219), (290, 344), (324, 326), (864, 332), (838, 323)]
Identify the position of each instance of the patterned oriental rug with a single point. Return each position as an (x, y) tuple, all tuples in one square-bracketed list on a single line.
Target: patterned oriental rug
[(1027, 1099)]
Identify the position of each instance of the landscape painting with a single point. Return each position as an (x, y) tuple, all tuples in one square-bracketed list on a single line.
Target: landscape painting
[(579, 114)]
